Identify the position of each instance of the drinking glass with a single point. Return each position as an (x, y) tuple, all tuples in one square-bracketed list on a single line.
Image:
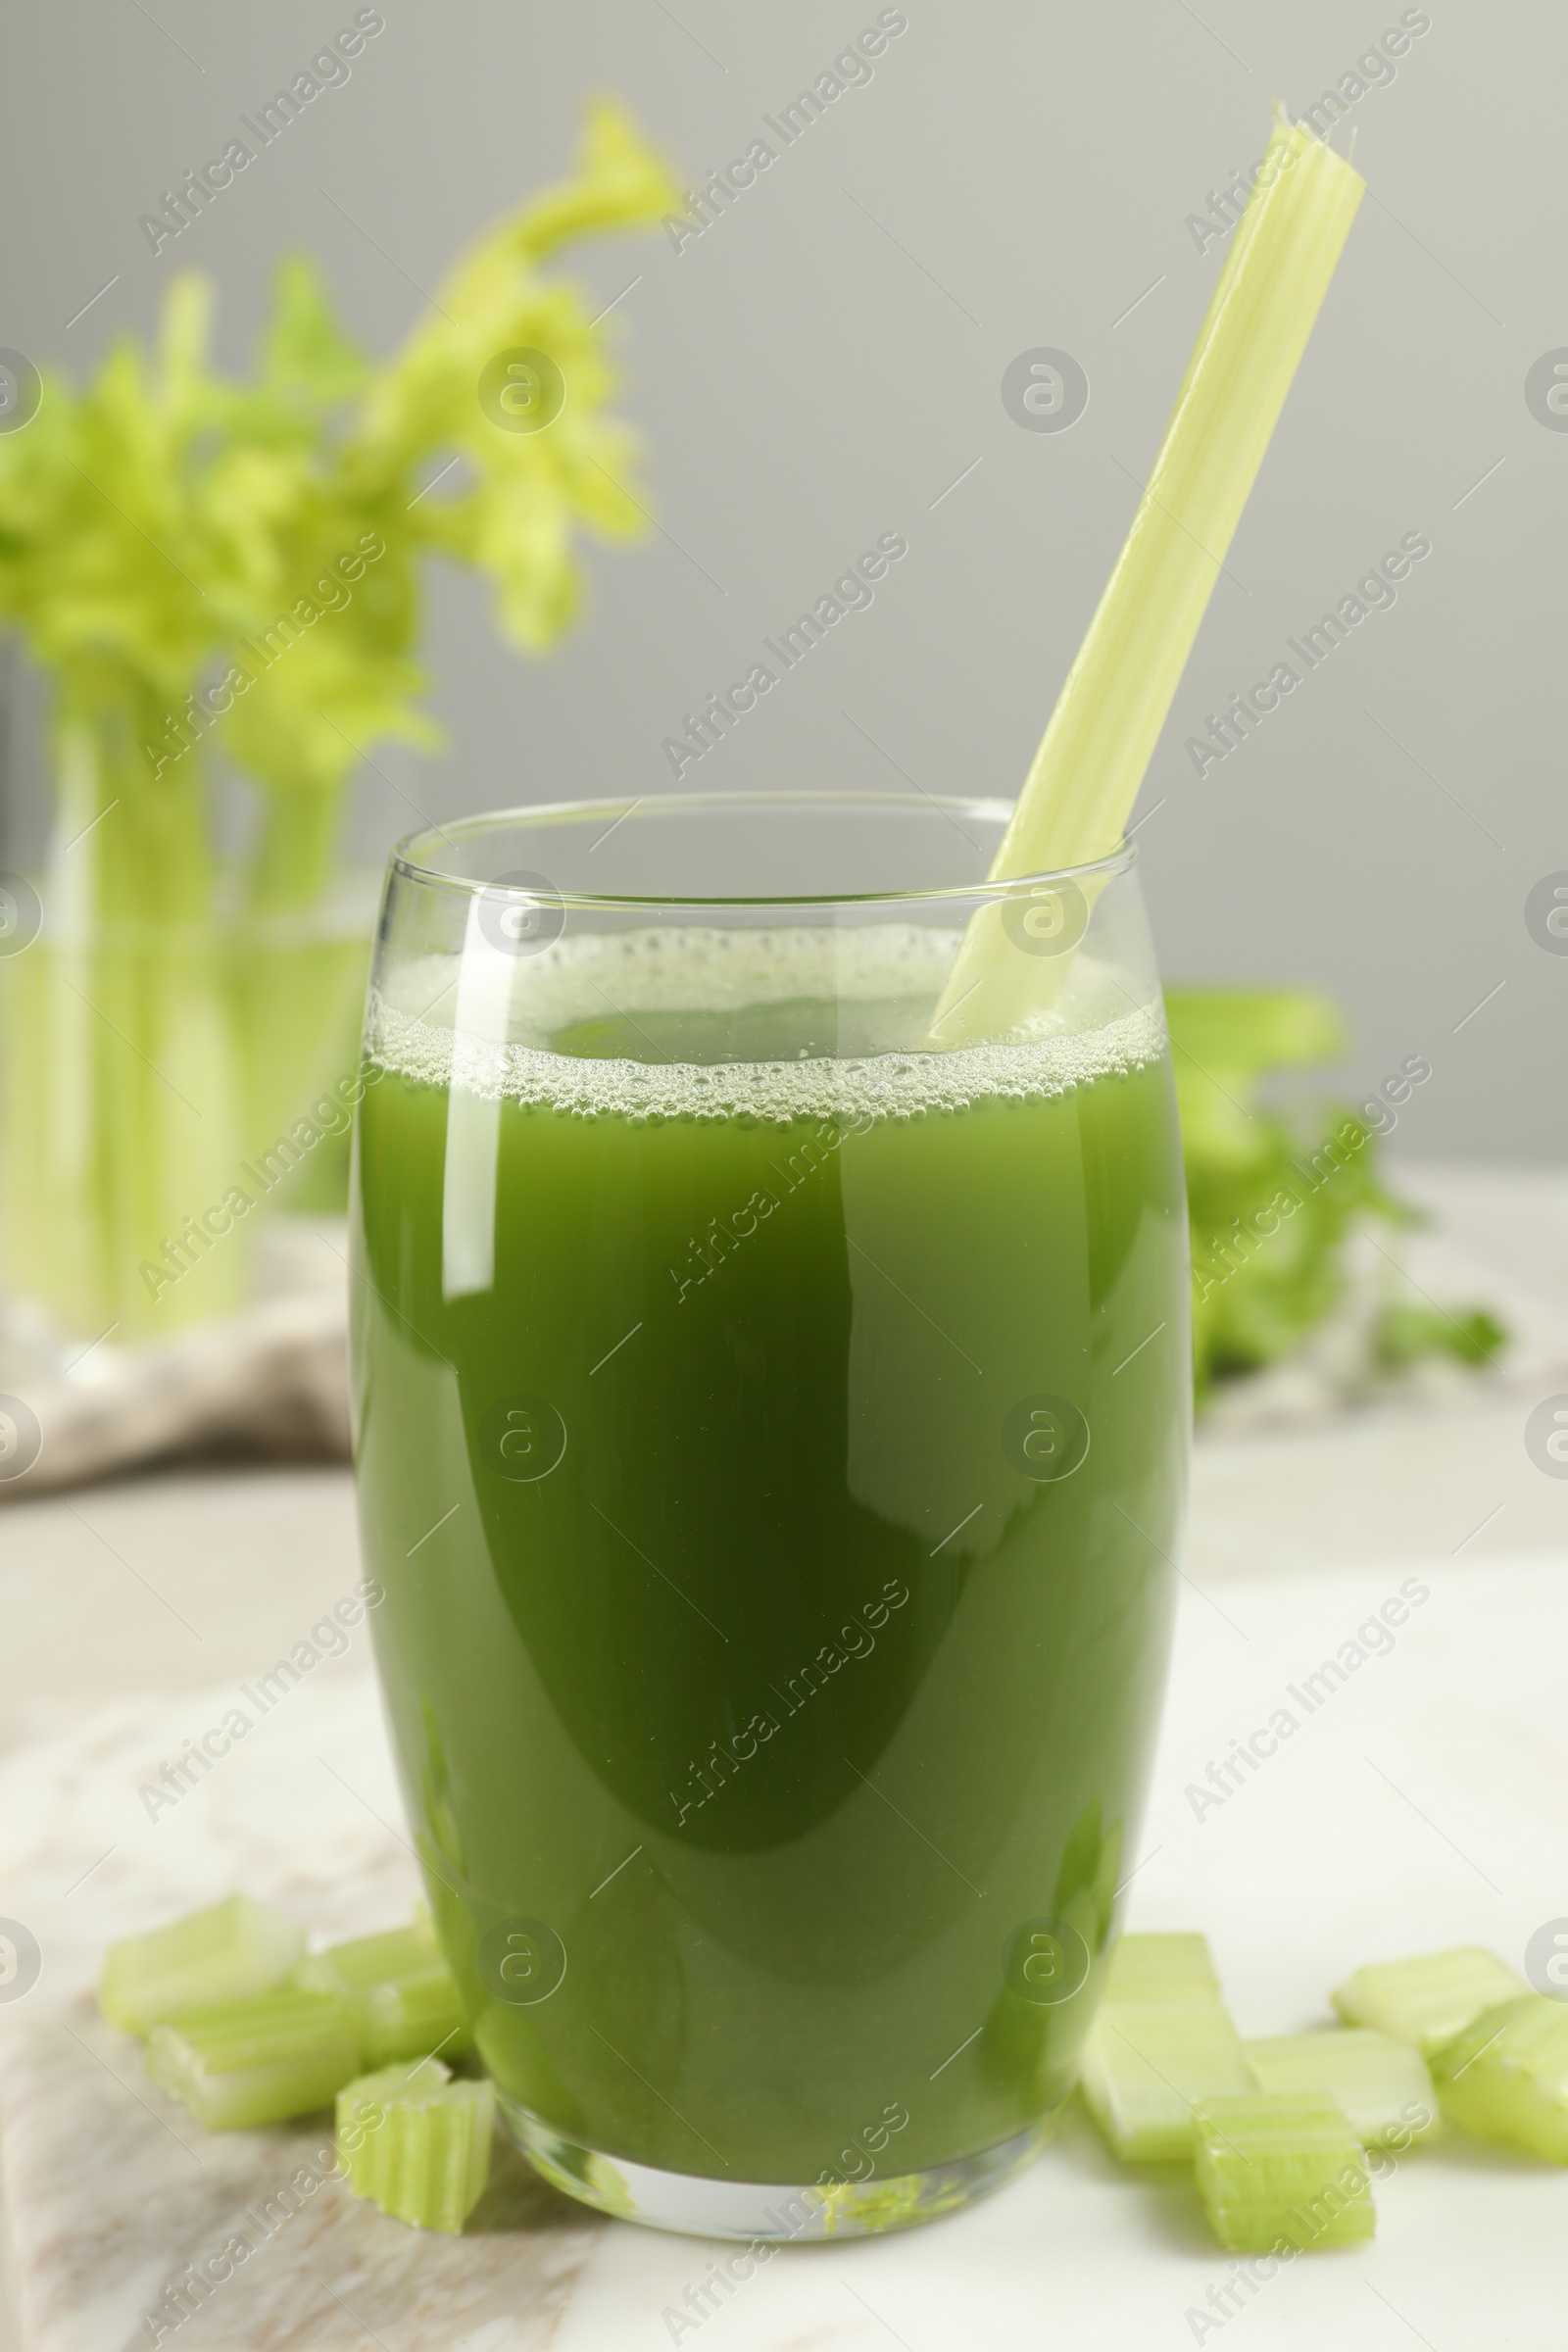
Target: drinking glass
[(773, 1399)]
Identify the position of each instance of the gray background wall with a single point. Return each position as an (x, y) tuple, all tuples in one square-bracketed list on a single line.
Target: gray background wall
[(825, 361)]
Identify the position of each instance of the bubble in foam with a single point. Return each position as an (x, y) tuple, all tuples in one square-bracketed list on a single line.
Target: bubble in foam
[(484, 1025)]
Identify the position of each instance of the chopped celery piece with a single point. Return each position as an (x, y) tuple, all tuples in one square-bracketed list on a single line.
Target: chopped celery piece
[(261, 2060), (402, 1990), (417, 2144), (1278, 2168), (1161, 1967), (1429, 1999), (229, 1954), (1147, 2063), (1380, 2086), (362, 2140), (1505, 2076)]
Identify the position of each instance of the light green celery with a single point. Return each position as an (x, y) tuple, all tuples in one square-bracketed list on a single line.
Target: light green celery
[(417, 2144), (1146, 2064), (198, 562), (1080, 791), (1161, 1967), (363, 2142), (401, 1991), (297, 986), (1429, 1999), (261, 2060), (123, 1104), (1278, 2170), (231, 1952), (1505, 2076), (1381, 2085)]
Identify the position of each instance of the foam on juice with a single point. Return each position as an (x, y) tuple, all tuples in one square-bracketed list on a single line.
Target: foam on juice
[(484, 1023)]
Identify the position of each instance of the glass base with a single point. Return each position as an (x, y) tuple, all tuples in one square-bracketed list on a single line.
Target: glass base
[(765, 2212)]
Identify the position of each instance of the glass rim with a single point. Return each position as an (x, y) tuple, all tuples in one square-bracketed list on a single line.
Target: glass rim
[(409, 856)]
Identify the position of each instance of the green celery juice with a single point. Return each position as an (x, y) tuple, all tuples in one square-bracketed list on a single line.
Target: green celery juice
[(770, 1440)]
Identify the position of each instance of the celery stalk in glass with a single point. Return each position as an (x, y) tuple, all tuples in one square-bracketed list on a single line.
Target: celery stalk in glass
[(176, 550), (1080, 791)]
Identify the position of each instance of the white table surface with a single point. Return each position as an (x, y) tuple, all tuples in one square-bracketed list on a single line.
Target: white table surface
[(1426, 1802)]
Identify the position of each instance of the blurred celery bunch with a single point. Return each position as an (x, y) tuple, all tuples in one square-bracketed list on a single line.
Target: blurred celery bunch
[(197, 562), (1272, 1198)]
